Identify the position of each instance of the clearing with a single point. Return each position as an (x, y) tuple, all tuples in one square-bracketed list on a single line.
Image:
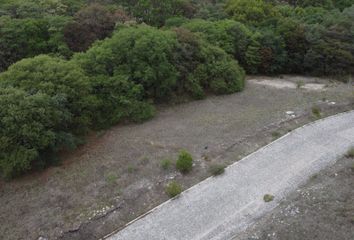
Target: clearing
[(117, 175)]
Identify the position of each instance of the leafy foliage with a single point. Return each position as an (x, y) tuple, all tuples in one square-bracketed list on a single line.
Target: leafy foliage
[(45, 102), (173, 189), (185, 162)]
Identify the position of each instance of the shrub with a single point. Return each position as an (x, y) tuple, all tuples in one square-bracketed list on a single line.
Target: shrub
[(268, 198), (33, 127), (165, 164), (23, 38), (143, 54), (316, 111), (45, 104), (350, 153), (173, 189), (185, 162), (233, 37), (217, 169)]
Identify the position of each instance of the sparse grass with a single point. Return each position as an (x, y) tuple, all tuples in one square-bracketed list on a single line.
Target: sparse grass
[(111, 178), (184, 163), (166, 164), (144, 160), (217, 169), (132, 169), (268, 198), (350, 153), (276, 135), (300, 84), (316, 111), (173, 189)]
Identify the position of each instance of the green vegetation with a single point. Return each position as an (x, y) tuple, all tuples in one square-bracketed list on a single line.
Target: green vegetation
[(276, 135), (350, 153), (217, 169), (185, 162), (316, 111), (173, 189), (166, 164), (268, 198), (111, 178), (72, 66)]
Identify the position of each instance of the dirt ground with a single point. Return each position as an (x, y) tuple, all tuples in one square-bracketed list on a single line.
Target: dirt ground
[(117, 175), (322, 209)]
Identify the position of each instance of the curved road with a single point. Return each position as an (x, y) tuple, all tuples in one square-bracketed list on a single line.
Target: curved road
[(220, 207)]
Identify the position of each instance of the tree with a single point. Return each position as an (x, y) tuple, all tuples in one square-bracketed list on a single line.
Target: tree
[(58, 79), (31, 129), (93, 22), (143, 54), (20, 38), (254, 12), (155, 12), (233, 37), (46, 105)]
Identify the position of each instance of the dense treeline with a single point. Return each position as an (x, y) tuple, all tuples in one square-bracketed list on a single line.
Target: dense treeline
[(71, 66)]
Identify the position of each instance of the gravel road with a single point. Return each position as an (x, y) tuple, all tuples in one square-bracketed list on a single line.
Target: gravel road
[(220, 207)]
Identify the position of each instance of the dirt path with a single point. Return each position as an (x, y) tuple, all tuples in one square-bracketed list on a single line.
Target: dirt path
[(117, 177), (220, 207)]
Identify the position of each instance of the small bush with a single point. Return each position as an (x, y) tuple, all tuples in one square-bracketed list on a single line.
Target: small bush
[(165, 164), (350, 153), (276, 135), (173, 189), (217, 169), (185, 162), (268, 198), (316, 111)]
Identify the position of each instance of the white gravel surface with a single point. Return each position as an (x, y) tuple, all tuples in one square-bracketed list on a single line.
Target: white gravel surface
[(220, 207)]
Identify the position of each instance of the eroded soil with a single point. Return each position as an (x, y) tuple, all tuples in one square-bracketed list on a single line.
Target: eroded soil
[(117, 175)]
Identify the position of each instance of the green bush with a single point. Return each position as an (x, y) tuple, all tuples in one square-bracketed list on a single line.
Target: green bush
[(268, 198), (45, 103), (217, 169), (185, 162), (173, 189), (233, 37), (316, 111), (143, 54), (350, 153), (22, 38)]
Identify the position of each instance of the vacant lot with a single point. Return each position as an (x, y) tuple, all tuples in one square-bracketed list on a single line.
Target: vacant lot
[(117, 175), (323, 209)]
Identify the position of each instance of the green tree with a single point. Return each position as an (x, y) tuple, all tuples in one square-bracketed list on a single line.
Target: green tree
[(32, 128), (58, 79), (20, 38), (143, 54), (254, 12)]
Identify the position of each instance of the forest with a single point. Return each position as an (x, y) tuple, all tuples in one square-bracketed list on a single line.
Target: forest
[(69, 67)]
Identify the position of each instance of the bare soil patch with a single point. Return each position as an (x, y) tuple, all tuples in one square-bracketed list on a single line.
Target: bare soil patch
[(322, 209), (117, 176), (294, 82)]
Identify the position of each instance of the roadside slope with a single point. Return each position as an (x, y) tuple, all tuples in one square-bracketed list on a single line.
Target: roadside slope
[(219, 208)]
